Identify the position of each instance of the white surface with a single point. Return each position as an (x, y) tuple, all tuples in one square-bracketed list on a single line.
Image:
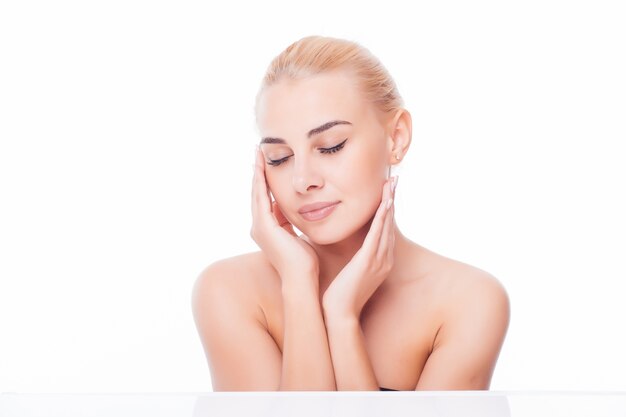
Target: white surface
[(318, 404), (126, 134)]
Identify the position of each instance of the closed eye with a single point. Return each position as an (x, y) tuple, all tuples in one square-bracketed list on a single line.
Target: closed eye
[(334, 149)]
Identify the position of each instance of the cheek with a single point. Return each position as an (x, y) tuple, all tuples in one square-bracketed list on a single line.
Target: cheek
[(369, 175), (360, 183), (273, 183), (367, 166), (281, 188)]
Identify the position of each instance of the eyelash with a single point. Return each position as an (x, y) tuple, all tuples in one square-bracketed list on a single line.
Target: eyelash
[(334, 149)]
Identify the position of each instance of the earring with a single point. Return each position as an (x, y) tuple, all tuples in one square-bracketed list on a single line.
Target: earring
[(397, 157)]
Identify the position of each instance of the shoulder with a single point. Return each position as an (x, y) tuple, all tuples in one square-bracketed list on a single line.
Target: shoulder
[(478, 289), (235, 269), (457, 282), (240, 276), (475, 301), (475, 312), (461, 292), (466, 282), (454, 281), (242, 355)]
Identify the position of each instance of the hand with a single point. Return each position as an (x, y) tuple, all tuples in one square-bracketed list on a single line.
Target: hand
[(286, 251), (369, 266)]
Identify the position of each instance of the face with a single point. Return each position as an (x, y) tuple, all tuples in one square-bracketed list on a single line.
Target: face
[(345, 163)]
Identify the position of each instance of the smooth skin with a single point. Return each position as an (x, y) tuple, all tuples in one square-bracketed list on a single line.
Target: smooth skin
[(395, 314)]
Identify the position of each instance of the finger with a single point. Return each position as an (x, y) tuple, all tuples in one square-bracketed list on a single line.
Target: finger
[(253, 187), (260, 193), (372, 239), (262, 215), (392, 236), (254, 173), (255, 184), (265, 208), (385, 235), (281, 219)]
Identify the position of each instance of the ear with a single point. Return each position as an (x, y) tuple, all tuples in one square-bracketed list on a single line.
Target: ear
[(399, 135)]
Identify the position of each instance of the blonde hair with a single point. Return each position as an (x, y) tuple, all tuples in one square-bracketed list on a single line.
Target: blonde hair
[(313, 55)]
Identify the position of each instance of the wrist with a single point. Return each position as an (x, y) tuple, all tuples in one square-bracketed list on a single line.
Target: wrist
[(299, 283), (341, 317)]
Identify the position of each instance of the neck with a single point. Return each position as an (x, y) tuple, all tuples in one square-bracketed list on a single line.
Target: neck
[(335, 256)]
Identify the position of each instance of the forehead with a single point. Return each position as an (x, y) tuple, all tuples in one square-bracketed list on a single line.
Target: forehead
[(295, 106)]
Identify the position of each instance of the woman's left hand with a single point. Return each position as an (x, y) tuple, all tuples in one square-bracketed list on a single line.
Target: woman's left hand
[(370, 265)]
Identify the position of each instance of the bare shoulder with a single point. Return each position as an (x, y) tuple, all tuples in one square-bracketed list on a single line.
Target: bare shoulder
[(476, 288), (471, 294), (242, 272), (468, 282), (461, 281), (232, 268), (243, 277), (480, 298), (474, 319), (240, 352)]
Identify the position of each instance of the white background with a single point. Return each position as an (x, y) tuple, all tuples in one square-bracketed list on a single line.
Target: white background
[(127, 134)]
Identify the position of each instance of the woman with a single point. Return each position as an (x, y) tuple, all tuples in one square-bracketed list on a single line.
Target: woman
[(351, 303)]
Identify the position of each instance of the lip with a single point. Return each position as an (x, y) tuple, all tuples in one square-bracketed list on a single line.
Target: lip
[(316, 206), (323, 210)]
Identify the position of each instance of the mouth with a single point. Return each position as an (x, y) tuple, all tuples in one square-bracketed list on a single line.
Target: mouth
[(319, 213)]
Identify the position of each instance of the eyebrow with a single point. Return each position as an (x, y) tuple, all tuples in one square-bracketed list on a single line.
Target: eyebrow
[(311, 133)]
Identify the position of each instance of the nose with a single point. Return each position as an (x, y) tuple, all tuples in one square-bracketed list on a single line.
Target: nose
[(305, 176)]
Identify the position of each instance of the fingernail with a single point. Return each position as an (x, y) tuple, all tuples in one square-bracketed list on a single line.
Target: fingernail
[(389, 202), (394, 183)]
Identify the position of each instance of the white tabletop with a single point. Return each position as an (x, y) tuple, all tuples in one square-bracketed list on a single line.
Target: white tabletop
[(318, 404)]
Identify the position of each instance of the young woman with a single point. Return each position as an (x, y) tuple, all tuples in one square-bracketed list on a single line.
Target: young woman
[(350, 303)]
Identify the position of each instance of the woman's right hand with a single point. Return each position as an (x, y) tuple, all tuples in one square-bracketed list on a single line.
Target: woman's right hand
[(287, 252)]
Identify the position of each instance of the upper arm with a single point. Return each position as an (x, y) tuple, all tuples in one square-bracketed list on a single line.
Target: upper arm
[(469, 341), (241, 354)]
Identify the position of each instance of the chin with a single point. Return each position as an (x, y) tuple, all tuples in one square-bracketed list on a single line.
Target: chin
[(323, 237), (330, 233)]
